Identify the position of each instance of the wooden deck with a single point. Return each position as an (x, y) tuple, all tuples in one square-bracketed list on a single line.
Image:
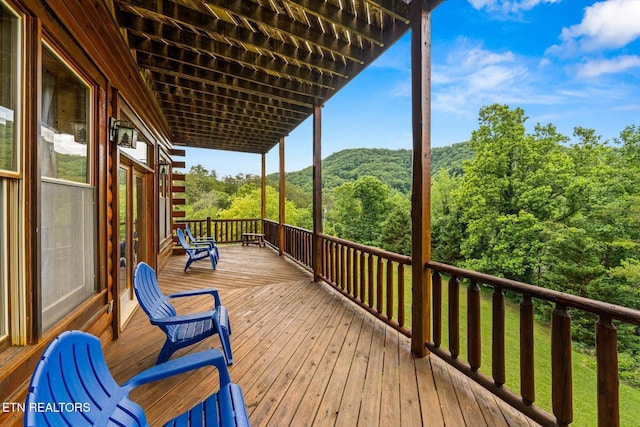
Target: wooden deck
[(303, 355)]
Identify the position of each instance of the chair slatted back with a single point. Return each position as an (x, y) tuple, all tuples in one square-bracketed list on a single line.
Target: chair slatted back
[(154, 303), (72, 385)]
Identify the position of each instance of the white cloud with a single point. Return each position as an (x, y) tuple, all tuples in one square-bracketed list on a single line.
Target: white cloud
[(508, 7), (470, 75), (608, 24), (598, 68)]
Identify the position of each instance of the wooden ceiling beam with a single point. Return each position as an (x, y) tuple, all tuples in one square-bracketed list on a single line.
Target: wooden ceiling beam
[(173, 55), (213, 79), (397, 9), (205, 131), (284, 24), (207, 127), (341, 19), (220, 103), (227, 144), (240, 122), (189, 104), (184, 17), (310, 73), (174, 85)]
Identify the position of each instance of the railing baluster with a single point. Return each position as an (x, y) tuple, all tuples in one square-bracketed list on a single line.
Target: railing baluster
[(561, 373), (474, 337), (354, 272), (497, 338), (437, 307), (370, 293), (401, 319), (363, 277), (454, 317), (343, 270), (390, 288), (608, 382), (527, 363), (379, 285)]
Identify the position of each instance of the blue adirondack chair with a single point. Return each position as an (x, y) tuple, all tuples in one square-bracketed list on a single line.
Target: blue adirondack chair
[(196, 251), (208, 240), (72, 386), (181, 330)]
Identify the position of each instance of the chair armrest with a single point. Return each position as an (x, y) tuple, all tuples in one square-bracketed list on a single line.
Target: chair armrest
[(212, 357), (200, 244), (211, 291), (185, 318)]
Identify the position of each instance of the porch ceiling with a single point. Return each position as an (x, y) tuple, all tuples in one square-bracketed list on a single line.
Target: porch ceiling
[(240, 74)]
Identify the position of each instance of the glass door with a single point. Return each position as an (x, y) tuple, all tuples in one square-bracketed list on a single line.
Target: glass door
[(125, 234), (133, 234)]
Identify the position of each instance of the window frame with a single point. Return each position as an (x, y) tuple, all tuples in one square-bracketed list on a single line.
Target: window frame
[(20, 93), (91, 115)]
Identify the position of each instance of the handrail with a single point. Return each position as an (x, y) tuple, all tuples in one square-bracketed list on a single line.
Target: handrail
[(561, 373)]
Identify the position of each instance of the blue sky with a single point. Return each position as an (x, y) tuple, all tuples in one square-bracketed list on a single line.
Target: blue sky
[(567, 62)]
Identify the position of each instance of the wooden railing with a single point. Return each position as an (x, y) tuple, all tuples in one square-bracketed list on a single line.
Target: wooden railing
[(222, 230), (380, 282), (297, 242), (373, 278), (561, 372)]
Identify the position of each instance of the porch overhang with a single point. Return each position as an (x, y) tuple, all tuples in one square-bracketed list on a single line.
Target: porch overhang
[(241, 75)]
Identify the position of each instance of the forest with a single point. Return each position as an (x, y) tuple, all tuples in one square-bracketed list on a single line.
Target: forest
[(556, 211)]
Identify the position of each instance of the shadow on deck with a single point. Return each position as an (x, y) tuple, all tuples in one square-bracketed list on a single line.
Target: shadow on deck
[(303, 355)]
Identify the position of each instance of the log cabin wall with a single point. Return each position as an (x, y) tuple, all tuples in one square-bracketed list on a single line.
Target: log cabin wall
[(66, 45)]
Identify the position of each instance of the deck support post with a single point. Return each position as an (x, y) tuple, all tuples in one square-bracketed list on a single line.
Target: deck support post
[(263, 186), (421, 192), (316, 249), (281, 201)]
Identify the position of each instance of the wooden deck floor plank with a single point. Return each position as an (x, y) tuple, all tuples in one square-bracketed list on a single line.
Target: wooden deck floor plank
[(372, 388), (467, 401), (274, 384), (353, 396), (410, 414), (299, 385), (448, 400), (311, 400), (489, 406), (430, 407), (268, 365), (390, 400), (330, 405), (256, 320), (258, 345)]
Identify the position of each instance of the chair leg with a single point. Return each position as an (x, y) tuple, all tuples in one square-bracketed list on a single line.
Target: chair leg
[(166, 352), (213, 260), (224, 329), (189, 261)]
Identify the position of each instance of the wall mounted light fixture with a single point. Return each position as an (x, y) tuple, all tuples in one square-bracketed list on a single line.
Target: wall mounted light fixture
[(123, 133), (163, 167)]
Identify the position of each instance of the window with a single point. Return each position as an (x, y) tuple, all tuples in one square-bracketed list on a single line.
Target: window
[(65, 144), (68, 236), (164, 198), (10, 240), (9, 77)]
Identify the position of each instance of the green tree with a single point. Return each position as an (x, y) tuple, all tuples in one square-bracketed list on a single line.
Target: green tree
[(360, 209), (395, 230), (248, 204)]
